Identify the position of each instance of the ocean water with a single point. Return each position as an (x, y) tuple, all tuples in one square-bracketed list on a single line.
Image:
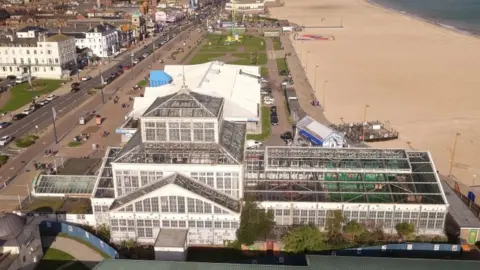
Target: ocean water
[(463, 15)]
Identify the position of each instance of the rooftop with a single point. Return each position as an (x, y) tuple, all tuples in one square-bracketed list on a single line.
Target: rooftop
[(104, 183), (185, 104), (311, 125), (171, 238), (314, 263), (32, 28), (237, 85), (367, 175), (228, 151), (183, 182), (64, 184)]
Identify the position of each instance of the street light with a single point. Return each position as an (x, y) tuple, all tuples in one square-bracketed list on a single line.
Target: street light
[(364, 121), (306, 64), (324, 94), (452, 158), (315, 79)]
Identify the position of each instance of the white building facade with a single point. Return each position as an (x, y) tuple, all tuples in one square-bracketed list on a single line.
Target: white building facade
[(49, 56), (103, 40)]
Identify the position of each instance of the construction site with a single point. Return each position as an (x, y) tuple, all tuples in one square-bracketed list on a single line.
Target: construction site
[(374, 131)]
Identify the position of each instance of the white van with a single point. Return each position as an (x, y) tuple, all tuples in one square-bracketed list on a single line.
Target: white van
[(22, 78), (252, 144)]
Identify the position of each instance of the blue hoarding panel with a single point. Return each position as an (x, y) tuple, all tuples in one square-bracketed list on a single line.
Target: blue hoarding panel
[(471, 196), (314, 140), (54, 228)]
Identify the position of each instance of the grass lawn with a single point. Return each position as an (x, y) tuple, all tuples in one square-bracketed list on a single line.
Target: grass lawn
[(281, 65), (103, 254), (54, 259), (45, 205), (264, 71), (277, 45), (201, 58), (142, 83), (266, 126), (22, 95), (217, 43)]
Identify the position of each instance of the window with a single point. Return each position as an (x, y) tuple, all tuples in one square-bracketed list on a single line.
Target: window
[(28, 51), (49, 52), (204, 132), (51, 68), (56, 60)]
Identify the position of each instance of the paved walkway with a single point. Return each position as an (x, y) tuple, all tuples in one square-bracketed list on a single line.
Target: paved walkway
[(79, 251)]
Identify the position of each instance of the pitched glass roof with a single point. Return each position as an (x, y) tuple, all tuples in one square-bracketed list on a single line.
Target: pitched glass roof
[(185, 182), (185, 104), (65, 184)]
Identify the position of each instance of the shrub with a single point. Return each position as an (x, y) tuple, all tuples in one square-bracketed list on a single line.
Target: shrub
[(74, 144), (3, 159), (24, 142)]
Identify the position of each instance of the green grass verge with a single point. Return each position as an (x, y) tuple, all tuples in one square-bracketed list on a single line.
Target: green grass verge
[(201, 58), (142, 83), (103, 254), (281, 65), (21, 94), (54, 259), (219, 43), (277, 45), (264, 71), (266, 126), (74, 144)]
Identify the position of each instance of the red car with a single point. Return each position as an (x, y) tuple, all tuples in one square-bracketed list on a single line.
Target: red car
[(126, 68)]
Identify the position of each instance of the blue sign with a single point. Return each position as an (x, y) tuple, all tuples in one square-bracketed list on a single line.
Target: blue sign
[(471, 196), (314, 140)]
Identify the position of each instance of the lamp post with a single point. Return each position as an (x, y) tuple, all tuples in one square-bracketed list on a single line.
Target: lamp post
[(452, 157), (315, 79), (324, 94), (364, 121), (306, 64), (301, 52)]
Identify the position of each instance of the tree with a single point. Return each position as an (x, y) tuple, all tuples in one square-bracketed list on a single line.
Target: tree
[(354, 228), (129, 244), (255, 223), (405, 230), (303, 239)]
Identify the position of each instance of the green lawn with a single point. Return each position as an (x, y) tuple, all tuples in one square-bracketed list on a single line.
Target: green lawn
[(54, 259), (277, 45), (201, 58), (219, 43), (142, 83), (264, 71), (21, 94), (281, 65), (266, 126)]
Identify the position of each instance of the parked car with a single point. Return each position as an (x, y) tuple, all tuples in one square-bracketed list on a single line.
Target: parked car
[(252, 144), (274, 119), (75, 85), (30, 110), (268, 100), (273, 109), (86, 78), (265, 91), (283, 72), (287, 136), (5, 140), (19, 116), (136, 61), (4, 124), (51, 97), (43, 102)]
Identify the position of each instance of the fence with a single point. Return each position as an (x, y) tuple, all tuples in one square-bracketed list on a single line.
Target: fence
[(421, 250), (54, 228)]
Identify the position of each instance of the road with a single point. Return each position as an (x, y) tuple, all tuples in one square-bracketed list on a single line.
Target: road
[(70, 102), (43, 116)]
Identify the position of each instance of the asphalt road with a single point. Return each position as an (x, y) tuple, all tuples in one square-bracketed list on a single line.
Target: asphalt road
[(42, 117)]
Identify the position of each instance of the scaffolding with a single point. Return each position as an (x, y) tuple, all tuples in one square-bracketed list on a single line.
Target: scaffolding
[(314, 174), (186, 183)]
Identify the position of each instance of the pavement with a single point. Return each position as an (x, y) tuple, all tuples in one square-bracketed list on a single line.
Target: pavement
[(67, 127), (79, 251), (21, 167)]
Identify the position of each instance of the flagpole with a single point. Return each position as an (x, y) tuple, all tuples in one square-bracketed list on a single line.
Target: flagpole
[(54, 115), (101, 87)]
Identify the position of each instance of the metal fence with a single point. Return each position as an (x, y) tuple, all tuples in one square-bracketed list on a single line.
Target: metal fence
[(53, 228)]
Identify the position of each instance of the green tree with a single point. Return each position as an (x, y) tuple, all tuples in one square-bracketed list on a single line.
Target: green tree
[(255, 223), (405, 230), (354, 228), (129, 244), (303, 239)]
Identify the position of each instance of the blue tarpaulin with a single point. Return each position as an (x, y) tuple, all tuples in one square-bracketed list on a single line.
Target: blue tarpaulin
[(159, 78), (314, 140)]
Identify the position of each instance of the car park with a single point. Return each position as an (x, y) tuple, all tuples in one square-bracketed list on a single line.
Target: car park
[(5, 140), (19, 116), (4, 124), (252, 144), (51, 97), (86, 78)]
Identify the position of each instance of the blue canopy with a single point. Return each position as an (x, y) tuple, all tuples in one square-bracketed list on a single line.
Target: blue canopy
[(159, 78)]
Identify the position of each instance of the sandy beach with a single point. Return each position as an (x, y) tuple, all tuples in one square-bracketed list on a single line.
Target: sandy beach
[(420, 77)]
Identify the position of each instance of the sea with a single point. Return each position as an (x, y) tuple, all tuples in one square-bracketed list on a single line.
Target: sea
[(459, 15)]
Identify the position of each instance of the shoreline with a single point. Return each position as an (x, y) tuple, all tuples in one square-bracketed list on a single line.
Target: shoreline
[(437, 24)]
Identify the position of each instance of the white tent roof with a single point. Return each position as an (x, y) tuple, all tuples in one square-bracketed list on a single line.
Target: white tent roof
[(313, 126), (241, 91)]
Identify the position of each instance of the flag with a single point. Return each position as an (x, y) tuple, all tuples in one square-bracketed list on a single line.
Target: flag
[(101, 79), (30, 80), (54, 113)]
